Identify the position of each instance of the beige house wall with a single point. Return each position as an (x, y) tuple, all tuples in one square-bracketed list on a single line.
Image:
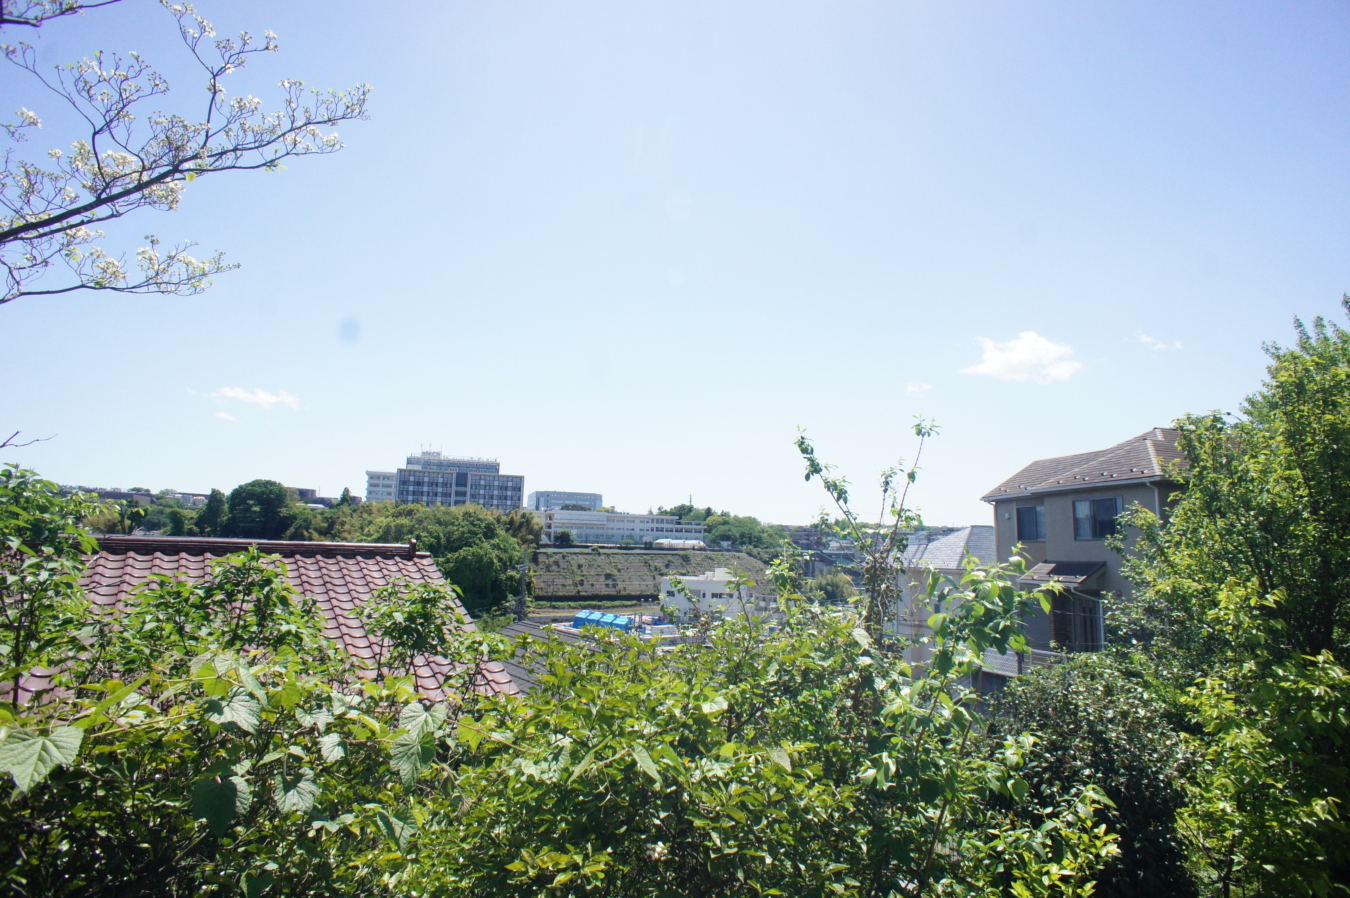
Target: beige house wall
[(1059, 543)]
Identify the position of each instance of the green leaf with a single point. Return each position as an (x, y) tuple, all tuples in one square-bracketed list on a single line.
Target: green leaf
[(421, 721), (781, 758), (218, 799), (239, 708), (470, 733), (29, 757), (410, 755), (296, 791), (644, 760), (257, 883), (936, 621), (398, 829), (861, 637), (716, 706), (330, 745)]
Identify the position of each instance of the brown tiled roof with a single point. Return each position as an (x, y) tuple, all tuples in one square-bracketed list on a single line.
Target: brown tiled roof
[(339, 576), (1145, 457)]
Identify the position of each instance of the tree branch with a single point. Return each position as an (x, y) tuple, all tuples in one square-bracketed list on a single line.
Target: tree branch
[(10, 444)]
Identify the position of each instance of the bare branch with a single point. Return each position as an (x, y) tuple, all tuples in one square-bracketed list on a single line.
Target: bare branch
[(10, 444)]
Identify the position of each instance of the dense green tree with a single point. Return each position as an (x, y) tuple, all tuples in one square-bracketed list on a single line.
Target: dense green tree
[(563, 539), (833, 587), (213, 519), (1100, 720), (1245, 592), (261, 509), (471, 545), (525, 527)]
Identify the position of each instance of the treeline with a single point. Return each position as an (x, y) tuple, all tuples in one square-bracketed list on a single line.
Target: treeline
[(477, 549), (748, 534)]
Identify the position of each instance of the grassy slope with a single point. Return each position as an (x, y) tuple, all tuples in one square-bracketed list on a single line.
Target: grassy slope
[(571, 575)]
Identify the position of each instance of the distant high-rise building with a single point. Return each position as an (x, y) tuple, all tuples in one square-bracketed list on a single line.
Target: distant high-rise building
[(541, 500), (430, 478)]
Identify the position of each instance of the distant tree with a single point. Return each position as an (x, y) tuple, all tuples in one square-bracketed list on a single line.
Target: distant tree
[(563, 539), (345, 500), (525, 527), (471, 545), (214, 516), (572, 506), (833, 587), (260, 509), (131, 158), (687, 512), (181, 522)]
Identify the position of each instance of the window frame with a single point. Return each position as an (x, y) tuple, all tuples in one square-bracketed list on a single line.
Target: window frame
[(1038, 519), (1098, 528)]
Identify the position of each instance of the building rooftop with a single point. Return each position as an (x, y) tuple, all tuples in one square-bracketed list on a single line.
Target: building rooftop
[(1142, 458), (948, 552), (340, 577)]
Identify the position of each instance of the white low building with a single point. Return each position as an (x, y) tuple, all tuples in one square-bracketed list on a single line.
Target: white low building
[(713, 593), (613, 528)]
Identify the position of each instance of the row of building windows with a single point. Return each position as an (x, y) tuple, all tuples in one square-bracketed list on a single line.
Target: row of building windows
[(1092, 519)]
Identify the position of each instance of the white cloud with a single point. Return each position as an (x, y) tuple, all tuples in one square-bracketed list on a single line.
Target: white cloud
[(1028, 356), (226, 416), (917, 387), (1155, 342), (258, 397)]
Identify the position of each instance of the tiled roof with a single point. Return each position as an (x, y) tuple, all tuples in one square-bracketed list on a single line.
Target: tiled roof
[(948, 552), (338, 576), (1145, 457), (524, 667)]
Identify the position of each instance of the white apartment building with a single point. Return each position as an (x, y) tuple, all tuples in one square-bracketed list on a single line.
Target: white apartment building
[(381, 486), (541, 500), (613, 528), (712, 592)]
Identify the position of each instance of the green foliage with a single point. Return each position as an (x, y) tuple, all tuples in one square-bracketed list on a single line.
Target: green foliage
[(1099, 720), (1243, 600), (797, 759), (213, 519), (471, 546), (41, 546), (414, 619), (260, 509), (562, 539), (833, 587), (213, 741)]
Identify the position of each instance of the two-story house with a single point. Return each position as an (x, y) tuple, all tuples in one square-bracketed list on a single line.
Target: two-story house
[(1061, 512)]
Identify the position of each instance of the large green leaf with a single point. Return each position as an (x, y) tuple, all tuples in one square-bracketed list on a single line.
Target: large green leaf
[(418, 720), (296, 791), (218, 799), (396, 826), (29, 757), (330, 744), (240, 708), (411, 754), (644, 760)]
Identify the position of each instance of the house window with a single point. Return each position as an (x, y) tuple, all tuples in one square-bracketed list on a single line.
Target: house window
[(1095, 518), (1031, 524)]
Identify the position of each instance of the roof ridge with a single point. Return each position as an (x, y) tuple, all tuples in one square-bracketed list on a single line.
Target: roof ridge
[(201, 545)]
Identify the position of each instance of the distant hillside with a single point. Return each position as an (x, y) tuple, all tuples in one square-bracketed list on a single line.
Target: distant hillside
[(583, 575)]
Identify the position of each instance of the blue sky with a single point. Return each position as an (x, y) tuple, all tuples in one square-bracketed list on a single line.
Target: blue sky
[(629, 248)]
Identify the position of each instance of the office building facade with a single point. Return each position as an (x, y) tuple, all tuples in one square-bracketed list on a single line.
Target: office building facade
[(615, 528), (430, 478), (542, 500)]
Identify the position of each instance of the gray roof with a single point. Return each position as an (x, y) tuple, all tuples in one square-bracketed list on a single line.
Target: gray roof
[(947, 552), (1142, 458)]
